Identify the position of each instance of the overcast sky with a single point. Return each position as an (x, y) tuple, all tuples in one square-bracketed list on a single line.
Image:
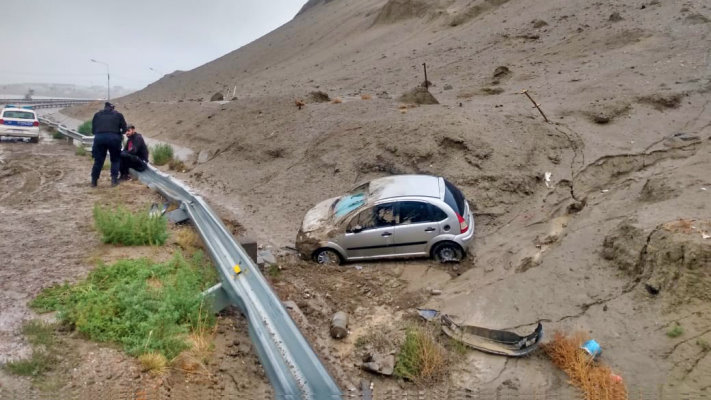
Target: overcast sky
[(53, 40)]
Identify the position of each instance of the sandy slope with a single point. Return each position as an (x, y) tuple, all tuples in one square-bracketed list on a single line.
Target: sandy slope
[(616, 79)]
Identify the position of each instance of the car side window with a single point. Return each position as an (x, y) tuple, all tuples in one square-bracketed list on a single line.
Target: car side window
[(413, 212), (437, 214), (374, 217)]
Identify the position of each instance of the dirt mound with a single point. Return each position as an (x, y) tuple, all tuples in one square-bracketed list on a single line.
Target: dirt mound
[(398, 10), (603, 113), (418, 95), (658, 189), (674, 260), (623, 247), (319, 97), (473, 11), (662, 101)]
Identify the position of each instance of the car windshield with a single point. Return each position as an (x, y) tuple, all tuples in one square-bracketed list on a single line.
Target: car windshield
[(19, 114), (351, 201)]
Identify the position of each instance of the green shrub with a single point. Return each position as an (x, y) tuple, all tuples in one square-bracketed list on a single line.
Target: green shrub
[(162, 154), (421, 359), (85, 129), (120, 226), (675, 331), (141, 305), (81, 151)]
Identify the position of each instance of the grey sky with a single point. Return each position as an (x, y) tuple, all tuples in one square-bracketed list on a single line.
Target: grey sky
[(52, 40)]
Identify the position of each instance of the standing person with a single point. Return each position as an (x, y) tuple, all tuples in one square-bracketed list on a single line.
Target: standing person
[(108, 127), (134, 154)]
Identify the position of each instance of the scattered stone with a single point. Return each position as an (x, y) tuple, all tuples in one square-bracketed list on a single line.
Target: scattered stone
[(615, 17), (217, 97), (435, 292), (502, 71), (267, 257), (203, 156), (539, 23), (380, 364), (448, 87)]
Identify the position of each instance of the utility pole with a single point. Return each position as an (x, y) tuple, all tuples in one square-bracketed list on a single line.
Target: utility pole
[(108, 78)]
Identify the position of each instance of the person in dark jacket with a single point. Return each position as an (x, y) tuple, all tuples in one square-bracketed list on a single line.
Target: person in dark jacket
[(108, 127), (134, 154)]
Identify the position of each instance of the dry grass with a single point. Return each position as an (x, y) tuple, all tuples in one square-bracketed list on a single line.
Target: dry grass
[(177, 165), (365, 96), (596, 380), (336, 100), (188, 239), (155, 363)]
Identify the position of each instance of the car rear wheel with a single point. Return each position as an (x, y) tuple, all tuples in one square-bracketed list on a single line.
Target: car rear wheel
[(327, 257), (447, 252), (34, 140)]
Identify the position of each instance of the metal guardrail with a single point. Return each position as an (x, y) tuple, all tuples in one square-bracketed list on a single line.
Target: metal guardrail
[(84, 140), (57, 102), (291, 365)]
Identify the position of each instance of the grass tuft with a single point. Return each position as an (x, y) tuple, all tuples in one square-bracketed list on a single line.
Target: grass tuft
[(120, 226), (675, 331), (162, 154), (421, 359), (153, 362), (81, 151), (141, 305), (44, 350), (176, 165), (85, 129)]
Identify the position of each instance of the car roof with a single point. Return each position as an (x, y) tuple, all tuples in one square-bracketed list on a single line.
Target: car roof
[(404, 185), (19, 109)]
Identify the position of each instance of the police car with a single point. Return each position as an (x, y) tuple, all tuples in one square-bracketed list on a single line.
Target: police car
[(19, 122)]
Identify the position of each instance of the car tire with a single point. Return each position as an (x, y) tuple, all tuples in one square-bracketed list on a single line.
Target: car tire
[(445, 252), (327, 256), (34, 140)]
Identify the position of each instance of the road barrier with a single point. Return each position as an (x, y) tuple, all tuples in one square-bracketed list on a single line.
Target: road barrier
[(293, 368), (78, 138), (290, 363)]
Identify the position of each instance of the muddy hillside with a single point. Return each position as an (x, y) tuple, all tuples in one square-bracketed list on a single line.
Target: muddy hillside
[(592, 214)]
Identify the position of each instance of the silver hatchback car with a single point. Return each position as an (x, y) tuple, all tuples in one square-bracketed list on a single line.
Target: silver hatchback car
[(395, 216)]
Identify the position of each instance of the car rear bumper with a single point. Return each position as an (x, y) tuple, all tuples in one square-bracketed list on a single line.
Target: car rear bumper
[(19, 132)]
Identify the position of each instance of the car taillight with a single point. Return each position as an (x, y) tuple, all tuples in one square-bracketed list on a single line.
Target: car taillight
[(36, 123), (2, 121), (463, 226)]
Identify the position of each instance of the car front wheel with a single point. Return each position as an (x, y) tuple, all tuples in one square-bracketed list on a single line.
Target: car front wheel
[(327, 257), (447, 252)]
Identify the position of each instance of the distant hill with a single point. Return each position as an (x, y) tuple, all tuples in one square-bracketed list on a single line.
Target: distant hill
[(62, 90)]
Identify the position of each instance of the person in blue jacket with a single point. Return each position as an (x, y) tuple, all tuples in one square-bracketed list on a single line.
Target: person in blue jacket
[(108, 127)]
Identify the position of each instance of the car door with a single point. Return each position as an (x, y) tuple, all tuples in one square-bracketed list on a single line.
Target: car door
[(416, 226), (370, 232)]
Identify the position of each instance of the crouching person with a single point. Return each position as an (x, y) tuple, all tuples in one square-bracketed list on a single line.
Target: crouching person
[(134, 154)]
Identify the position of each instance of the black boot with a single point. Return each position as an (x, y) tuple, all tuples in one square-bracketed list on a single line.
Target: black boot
[(114, 181), (93, 182)]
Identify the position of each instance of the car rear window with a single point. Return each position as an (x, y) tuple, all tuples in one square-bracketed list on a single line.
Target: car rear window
[(19, 114), (454, 198)]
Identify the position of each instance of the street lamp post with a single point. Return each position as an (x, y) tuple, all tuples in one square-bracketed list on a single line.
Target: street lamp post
[(108, 79)]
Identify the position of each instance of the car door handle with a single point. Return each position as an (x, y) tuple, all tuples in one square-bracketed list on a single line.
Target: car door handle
[(386, 234), (430, 229)]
